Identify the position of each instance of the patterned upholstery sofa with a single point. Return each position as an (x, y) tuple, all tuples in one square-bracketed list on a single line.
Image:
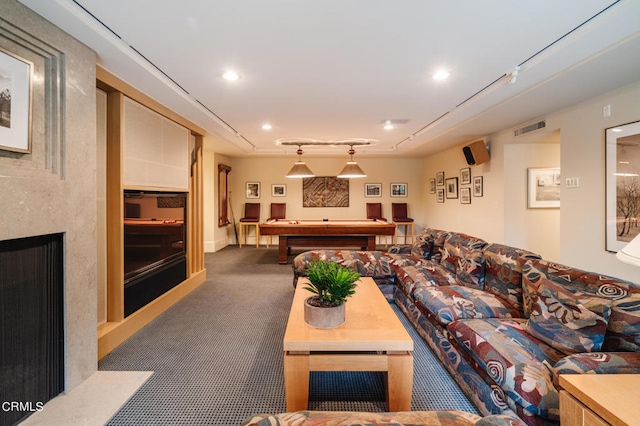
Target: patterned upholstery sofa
[(503, 321), (409, 418)]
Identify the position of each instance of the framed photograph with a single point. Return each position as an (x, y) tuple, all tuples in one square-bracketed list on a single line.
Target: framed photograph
[(252, 190), (15, 102), (279, 190), (373, 190), (622, 184), (465, 195), (398, 189), (440, 196), (451, 187), (477, 186), (432, 186), (465, 176), (440, 178), (543, 188)]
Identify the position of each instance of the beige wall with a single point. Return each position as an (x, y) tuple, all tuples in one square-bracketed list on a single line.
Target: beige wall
[(270, 171)]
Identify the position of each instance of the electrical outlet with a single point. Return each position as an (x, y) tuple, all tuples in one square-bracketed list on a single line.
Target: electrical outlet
[(573, 182)]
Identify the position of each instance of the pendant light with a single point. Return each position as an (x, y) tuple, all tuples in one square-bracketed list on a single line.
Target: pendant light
[(352, 170), (300, 169)]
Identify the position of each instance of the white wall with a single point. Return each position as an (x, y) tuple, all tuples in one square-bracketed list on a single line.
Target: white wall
[(582, 223)]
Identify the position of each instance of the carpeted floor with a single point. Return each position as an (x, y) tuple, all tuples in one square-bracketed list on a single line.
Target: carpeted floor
[(217, 354)]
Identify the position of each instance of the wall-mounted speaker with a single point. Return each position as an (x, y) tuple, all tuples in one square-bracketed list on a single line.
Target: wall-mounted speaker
[(476, 153)]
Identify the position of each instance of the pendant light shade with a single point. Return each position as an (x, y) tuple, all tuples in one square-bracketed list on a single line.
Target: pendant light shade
[(300, 169), (631, 252), (352, 170)]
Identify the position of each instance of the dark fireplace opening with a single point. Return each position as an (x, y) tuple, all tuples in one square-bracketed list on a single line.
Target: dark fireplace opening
[(31, 324)]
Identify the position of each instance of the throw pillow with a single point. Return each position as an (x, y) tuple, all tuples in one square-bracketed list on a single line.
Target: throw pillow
[(571, 322)]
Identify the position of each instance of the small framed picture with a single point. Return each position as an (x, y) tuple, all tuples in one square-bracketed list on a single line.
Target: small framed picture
[(440, 196), (398, 189), (544, 188), (451, 187), (465, 176), (432, 186), (465, 195), (252, 190), (440, 178), (477, 186), (373, 190), (279, 190)]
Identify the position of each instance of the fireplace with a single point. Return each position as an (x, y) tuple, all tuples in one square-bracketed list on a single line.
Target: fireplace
[(31, 324)]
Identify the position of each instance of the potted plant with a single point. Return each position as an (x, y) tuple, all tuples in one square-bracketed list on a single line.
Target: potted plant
[(331, 285)]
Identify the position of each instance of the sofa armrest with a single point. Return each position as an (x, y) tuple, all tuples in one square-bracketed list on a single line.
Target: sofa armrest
[(597, 363)]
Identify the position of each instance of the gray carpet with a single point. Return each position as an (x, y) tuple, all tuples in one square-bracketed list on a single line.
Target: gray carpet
[(217, 354)]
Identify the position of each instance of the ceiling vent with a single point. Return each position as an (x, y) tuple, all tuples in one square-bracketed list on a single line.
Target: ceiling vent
[(530, 128)]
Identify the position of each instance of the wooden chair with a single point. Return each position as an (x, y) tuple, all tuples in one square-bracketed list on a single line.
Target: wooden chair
[(400, 217), (251, 218), (374, 211), (278, 212)]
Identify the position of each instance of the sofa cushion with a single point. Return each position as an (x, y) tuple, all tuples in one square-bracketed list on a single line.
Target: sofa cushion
[(514, 360), (366, 263), (570, 322), (623, 331), (598, 363), (411, 274), (503, 272), (462, 255), (344, 418), (450, 303)]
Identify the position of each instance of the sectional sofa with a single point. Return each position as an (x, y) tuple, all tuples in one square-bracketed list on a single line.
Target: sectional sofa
[(502, 320)]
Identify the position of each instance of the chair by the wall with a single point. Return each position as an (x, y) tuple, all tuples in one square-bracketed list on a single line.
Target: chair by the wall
[(278, 212), (251, 218), (400, 217), (374, 211)]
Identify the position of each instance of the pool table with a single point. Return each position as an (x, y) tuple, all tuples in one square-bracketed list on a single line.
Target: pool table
[(325, 233)]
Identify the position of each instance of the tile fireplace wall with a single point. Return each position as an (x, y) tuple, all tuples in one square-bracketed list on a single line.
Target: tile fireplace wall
[(53, 189)]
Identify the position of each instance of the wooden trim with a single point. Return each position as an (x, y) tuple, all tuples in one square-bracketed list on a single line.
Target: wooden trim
[(110, 83), (115, 208), (111, 334)]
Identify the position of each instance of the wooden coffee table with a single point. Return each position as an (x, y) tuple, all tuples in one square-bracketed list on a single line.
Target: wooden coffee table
[(371, 339)]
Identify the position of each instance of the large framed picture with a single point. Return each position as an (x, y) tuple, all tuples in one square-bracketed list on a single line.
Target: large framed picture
[(622, 184), (15, 102), (543, 188), (451, 187), (398, 189), (373, 190), (252, 190), (279, 190)]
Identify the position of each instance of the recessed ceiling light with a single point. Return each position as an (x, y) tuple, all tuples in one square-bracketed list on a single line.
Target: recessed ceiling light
[(441, 75), (230, 76), (388, 126), (266, 126), (617, 129)]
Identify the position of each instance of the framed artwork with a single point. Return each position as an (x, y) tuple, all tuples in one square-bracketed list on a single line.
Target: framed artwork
[(543, 188), (15, 102), (465, 195), (325, 191), (622, 184), (279, 190), (465, 176), (432, 186), (477, 186), (252, 190), (440, 196), (440, 178), (373, 190), (398, 189), (451, 187)]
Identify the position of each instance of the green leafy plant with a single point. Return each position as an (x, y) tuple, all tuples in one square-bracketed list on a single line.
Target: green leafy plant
[(331, 283)]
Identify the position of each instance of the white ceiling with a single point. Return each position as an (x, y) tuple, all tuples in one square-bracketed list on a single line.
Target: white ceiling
[(333, 70)]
